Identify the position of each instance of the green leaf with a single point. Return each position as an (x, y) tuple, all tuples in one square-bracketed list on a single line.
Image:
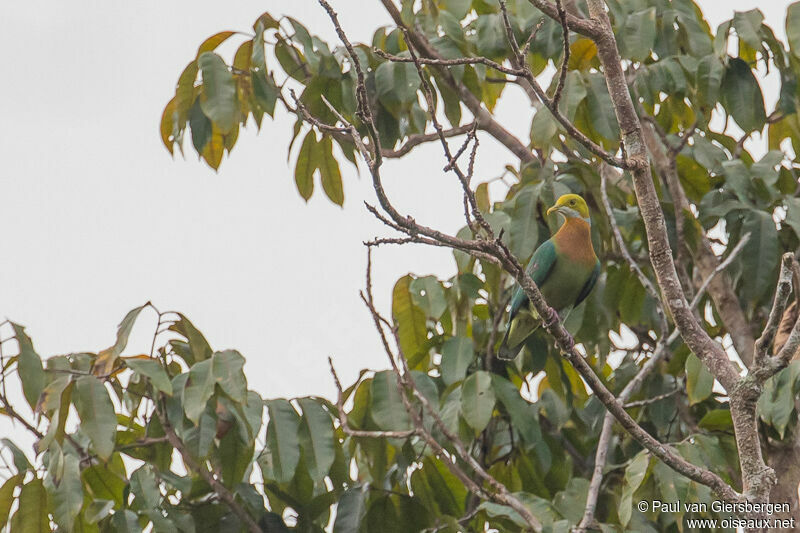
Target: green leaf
[(144, 486), (457, 354), (201, 127), (151, 369), (316, 438), (306, 165), (388, 411), (234, 457), (125, 521), (282, 440), (211, 44), (219, 92), (67, 497), (710, 71), (329, 172), (634, 475), (477, 400), (31, 371), (793, 28), (396, 83), (199, 389), (7, 497), (410, 321), (699, 380), (198, 348), (524, 415), (524, 228), (228, 373), (427, 293), (98, 419), (748, 26), (264, 91), (717, 420), (104, 484), (639, 35), (31, 515), (741, 96), (350, 510), (601, 109), (760, 257), (776, 404)]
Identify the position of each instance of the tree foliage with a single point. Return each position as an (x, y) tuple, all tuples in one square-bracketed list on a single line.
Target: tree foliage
[(532, 424)]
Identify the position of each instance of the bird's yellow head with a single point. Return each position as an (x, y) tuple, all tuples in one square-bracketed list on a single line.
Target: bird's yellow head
[(571, 206)]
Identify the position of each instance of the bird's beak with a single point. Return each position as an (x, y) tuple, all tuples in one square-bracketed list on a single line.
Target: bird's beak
[(552, 210)]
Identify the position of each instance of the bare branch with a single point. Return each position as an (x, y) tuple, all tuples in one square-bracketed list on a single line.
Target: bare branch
[(782, 293), (645, 281), (562, 78), (652, 400), (793, 342), (570, 128), (415, 140)]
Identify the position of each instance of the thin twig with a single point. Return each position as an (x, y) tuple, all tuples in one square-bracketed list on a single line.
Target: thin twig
[(562, 78)]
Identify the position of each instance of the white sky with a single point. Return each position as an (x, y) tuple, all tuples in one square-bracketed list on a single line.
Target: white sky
[(97, 218)]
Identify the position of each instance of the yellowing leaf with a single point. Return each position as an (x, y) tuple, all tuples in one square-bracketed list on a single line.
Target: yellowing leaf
[(210, 44), (581, 54)]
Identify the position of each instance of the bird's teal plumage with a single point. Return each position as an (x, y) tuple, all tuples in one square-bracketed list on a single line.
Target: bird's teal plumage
[(565, 268)]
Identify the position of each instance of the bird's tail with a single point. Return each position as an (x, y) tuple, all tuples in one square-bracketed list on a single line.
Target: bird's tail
[(506, 352)]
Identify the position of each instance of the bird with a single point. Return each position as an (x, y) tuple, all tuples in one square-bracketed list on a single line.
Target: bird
[(565, 268)]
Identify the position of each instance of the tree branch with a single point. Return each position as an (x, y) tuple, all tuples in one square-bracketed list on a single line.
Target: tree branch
[(195, 467), (415, 140)]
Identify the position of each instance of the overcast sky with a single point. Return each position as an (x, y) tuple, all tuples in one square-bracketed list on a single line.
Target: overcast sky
[(98, 218)]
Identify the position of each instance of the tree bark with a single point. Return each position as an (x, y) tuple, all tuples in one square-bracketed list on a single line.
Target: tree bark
[(720, 289)]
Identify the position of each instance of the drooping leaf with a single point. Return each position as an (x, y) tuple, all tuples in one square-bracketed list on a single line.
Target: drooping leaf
[(524, 229), (329, 172), (229, 374), (634, 475), (709, 79), (31, 371), (350, 510), (282, 441), (742, 97), (198, 348), (98, 419), (639, 34), (748, 26), (316, 438), (760, 256), (7, 497), (31, 515), (428, 295), (699, 381), (153, 371), (388, 411), (199, 389), (396, 83), (306, 165), (410, 321), (67, 496), (524, 415), (477, 399), (457, 354), (219, 91), (793, 28), (125, 521)]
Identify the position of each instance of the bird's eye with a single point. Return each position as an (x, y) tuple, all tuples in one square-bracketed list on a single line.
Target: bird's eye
[(572, 202)]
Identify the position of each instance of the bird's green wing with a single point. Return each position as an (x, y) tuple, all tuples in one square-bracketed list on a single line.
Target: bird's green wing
[(539, 267), (589, 285)]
